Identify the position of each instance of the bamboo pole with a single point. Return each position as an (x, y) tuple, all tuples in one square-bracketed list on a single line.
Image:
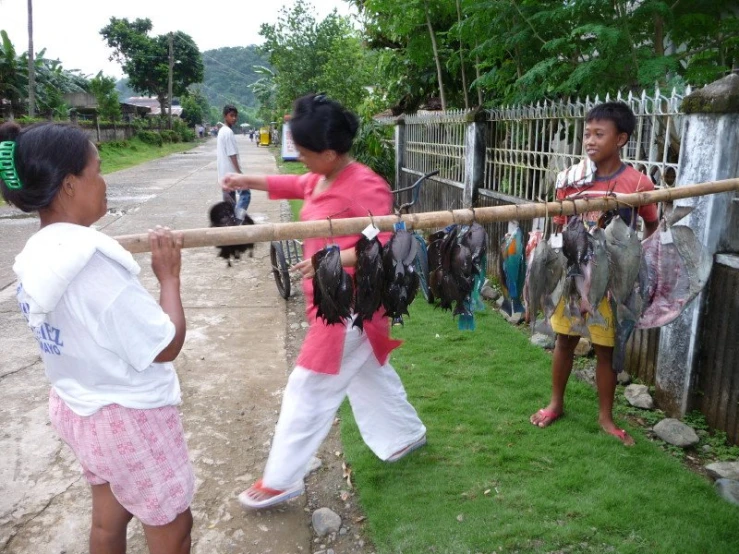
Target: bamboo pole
[(265, 232)]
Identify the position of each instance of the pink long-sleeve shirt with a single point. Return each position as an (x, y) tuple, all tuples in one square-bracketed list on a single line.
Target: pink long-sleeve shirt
[(356, 192)]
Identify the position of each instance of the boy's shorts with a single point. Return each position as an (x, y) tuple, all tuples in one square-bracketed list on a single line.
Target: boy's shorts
[(602, 336), (142, 454)]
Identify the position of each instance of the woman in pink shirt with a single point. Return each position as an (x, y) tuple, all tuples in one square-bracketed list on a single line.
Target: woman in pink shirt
[(335, 361)]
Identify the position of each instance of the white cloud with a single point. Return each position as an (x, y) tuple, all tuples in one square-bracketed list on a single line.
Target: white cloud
[(69, 30)]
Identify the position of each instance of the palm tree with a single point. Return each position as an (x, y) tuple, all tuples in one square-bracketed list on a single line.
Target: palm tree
[(31, 67)]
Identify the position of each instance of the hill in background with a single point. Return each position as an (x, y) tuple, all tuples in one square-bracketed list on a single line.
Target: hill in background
[(228, 73)]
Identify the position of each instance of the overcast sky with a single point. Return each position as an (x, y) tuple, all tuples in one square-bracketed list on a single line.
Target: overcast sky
[(70, 29)]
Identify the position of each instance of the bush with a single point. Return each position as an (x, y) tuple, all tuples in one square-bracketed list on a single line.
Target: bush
[(170, 136), (187, 135), (150, 137)]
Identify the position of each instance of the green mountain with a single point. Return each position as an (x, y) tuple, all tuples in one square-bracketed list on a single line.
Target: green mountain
[(228, 73)]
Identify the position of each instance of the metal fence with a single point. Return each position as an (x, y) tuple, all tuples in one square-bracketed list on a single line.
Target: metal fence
[(437, 141), (528, 145)]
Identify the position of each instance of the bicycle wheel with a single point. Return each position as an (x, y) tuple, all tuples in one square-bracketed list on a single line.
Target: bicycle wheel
[(421, 265), (280, 269)]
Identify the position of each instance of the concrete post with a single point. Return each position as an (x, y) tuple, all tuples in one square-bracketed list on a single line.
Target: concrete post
[(709, 152), (475, 145), (399, 151)]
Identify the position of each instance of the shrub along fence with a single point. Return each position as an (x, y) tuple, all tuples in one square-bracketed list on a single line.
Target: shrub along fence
[(512, 155)]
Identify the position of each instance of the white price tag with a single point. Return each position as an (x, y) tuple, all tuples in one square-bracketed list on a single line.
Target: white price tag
[(370, 231), (512, 226), (666, 237), (538, 224), (555, 241)]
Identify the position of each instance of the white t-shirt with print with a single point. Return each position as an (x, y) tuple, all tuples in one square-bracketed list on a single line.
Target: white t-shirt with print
[(225, 147), (100, 341)]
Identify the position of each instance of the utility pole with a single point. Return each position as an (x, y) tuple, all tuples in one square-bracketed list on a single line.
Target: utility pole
[(171, 71), (31, 66)]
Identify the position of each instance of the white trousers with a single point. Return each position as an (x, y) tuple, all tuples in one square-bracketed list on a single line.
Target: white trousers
[(385, 418)]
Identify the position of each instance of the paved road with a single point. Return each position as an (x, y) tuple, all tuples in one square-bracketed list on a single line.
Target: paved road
[(232, 368)]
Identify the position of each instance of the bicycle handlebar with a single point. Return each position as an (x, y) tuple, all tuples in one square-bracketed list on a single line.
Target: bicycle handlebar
[(416, 187)]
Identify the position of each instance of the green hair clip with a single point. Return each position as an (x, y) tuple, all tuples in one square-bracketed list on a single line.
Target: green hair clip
[(8, 172)]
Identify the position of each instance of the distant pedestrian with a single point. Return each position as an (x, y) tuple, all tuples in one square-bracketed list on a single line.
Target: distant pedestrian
[(335, 361), (227, 160), (106, 344)]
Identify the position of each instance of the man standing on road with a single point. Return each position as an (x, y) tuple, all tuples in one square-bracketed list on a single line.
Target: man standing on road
[(227, 159)]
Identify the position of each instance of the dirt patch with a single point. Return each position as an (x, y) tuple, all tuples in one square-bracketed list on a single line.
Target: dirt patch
[(327, 487)]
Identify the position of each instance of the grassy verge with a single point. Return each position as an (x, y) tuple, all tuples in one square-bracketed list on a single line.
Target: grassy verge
[(292, 168), (488, 481), (122, 155)]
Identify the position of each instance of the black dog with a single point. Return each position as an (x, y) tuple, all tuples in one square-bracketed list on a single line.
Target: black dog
[(222, 215)]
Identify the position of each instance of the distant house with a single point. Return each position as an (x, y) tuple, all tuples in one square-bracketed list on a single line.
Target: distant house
[(85, 106), (153, 104)]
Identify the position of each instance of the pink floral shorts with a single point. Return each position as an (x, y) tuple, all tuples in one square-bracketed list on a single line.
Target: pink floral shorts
[(141, 453)]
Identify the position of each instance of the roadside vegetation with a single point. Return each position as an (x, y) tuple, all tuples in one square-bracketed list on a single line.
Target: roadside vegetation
[(119, 155), (489, 481)]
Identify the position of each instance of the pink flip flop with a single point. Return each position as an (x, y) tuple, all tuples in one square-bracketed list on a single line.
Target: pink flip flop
[(547, 417)]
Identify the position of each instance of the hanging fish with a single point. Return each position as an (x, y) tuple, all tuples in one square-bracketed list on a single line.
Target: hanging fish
[(544, 276), (222, 215), (594, 285), (369, 279), (577, 247), (675, 268), (434, 257), (333, 291), (401, 280), (475, 238), (624, 261), (512, 266)]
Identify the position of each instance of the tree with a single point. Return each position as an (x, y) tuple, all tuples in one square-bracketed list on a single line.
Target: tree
[(195, 108), (31, 68), (10, 76), (106, 96), (145, 59), (307, 56)]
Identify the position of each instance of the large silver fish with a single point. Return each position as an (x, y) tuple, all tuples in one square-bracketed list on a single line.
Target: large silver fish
[(544, 274), (577, 247), (595, 277), (674, 271), (624, 259)]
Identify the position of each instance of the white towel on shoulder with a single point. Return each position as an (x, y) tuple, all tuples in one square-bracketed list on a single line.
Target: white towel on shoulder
[(54, 256), (577, 175)]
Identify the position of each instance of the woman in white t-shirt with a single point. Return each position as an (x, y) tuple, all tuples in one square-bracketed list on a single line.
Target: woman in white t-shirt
[(105, 342)]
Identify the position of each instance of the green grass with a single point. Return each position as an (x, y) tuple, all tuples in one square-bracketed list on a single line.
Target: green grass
[(489, 481), (291, 168), (122, 155)]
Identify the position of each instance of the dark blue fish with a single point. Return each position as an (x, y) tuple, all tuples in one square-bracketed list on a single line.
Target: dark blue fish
[(401, 279), (369, 279), (333, 291)]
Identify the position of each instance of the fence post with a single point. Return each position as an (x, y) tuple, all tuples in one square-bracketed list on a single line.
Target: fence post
[(709, 152), (399, 151), (475, 144)]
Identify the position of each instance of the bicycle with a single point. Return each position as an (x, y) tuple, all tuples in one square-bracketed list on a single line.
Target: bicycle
[(284, 254), (421, 262)]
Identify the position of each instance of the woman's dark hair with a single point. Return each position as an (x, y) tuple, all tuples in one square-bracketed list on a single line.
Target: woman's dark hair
[(319, 123), (45, 154), (618, 112)]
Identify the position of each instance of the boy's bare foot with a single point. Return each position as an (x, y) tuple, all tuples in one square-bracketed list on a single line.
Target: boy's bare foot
[(545, 417)]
